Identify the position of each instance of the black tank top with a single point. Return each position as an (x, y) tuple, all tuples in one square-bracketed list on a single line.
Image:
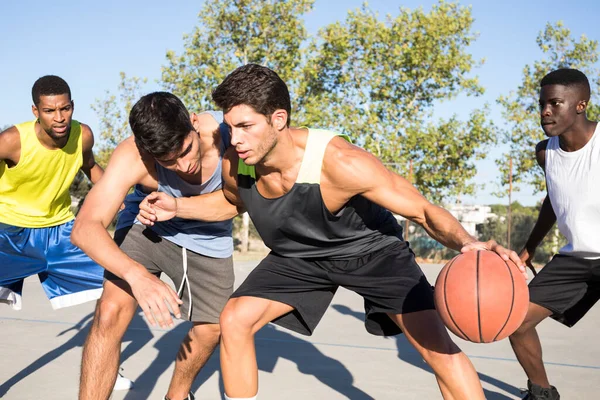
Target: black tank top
[(298, 224)]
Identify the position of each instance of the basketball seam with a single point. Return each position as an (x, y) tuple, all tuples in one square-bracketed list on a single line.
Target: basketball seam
[(465, 336), (512, 303), (478, 305)]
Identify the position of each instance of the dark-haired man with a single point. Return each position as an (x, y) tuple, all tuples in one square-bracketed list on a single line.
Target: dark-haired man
[(320, 204), (178, 154), (38, 161), (569, 285)]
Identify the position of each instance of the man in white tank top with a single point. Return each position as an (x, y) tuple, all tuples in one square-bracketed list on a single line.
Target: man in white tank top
[(569, 285)]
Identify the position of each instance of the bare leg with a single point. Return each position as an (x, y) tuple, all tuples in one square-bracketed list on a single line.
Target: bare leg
[(454, 372), (527, 347), (100, 361), (240, 320), (194, 352)]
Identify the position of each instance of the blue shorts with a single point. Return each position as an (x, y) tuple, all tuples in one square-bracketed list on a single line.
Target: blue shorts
[(68, 275)]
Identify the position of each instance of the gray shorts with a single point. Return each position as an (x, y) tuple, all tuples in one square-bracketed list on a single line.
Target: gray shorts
[(210, 279)]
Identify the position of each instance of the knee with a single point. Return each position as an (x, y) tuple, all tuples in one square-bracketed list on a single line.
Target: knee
[(526, 327), (111, 314), (234, 322), (209, 333)]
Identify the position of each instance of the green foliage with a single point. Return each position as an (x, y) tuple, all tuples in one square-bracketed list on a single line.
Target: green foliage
[(378, 81), (521, 110), (269, 33), (375, 80), (523, 220), (113, 112)]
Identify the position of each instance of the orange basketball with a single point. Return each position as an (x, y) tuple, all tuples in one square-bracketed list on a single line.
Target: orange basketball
[(480, 297)]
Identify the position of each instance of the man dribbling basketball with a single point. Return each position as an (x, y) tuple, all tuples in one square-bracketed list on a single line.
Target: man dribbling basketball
[(569, 285), (321, 205)]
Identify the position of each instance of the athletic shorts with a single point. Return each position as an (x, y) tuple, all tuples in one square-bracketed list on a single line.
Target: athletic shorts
[(208, 281), (567, 286), (67, 274), (389, 280)]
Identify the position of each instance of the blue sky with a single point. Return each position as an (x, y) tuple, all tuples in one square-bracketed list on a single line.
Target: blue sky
[(89, 43)]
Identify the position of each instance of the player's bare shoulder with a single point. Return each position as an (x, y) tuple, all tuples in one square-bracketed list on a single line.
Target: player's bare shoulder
[(87, 137), (230, 171), (540, 153), (345, 165), (10, 145), (127, 160)]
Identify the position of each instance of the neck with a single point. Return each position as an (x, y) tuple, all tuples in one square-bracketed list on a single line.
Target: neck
[(47, 141), (577, 136), (284, 156)]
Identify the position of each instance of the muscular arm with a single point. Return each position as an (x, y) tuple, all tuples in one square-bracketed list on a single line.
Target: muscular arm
[(543, 225), (546, 217), (10, 146), (217, 206), (92, 170), (89, 233), (345, 168)]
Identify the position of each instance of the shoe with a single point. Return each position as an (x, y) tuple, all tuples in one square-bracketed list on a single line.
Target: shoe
[(536, 392), (189, 397), (122, 383)]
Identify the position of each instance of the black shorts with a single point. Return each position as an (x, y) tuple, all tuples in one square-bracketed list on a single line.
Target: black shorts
[(389, 280), (567, 286)]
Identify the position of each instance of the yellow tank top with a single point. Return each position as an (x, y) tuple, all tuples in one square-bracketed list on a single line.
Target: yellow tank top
[(35, 192)]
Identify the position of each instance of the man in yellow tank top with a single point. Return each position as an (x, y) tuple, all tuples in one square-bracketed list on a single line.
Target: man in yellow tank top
[(38, 161)]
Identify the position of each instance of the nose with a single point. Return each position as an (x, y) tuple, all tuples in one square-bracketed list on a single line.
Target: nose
[(545, 110), (183, 165), (58, 116), (236, 136)]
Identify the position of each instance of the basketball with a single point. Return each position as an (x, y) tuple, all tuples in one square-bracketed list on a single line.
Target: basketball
[(480, 297)]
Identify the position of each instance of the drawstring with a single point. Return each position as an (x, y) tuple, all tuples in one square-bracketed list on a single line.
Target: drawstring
[(186, 281)]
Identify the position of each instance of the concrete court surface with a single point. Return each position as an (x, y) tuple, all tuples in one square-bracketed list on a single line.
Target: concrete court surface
[(41, 352)]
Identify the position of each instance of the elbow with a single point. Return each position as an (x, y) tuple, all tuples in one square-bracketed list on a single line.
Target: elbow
[(77, 233)]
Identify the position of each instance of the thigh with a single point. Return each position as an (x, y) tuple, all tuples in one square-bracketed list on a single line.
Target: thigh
[(302, 284), (22, 253), (144, 246), (425, 331), (203, 283), (391, 282), (71, 277), (563, 287)]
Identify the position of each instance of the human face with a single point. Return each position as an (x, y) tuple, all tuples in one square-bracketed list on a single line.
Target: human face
[(559, 108), (252, 134), (186, 161), (54, 114)]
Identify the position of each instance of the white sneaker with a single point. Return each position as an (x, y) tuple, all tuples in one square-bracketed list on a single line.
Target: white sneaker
[(122, 383)]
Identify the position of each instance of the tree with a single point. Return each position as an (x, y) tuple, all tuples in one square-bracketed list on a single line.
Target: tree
[(269, 33), (113, 112), (524, 219), (521, 109), (378, 81)]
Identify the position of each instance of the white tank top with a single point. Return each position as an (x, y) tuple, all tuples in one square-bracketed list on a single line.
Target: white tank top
[(573, 182)]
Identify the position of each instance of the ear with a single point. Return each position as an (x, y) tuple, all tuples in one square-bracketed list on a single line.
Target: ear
[(279, 119), (581, 106), (194, 120), (35, 111), (73, 105)]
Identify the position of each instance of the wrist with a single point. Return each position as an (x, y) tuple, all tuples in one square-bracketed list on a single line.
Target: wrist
[(176, 207), (133, 272)]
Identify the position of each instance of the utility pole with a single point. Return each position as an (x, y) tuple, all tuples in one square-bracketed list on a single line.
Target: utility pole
[(406, 221), (509, 213)]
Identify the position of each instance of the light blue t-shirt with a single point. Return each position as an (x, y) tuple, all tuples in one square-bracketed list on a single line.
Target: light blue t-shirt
[(212, 239)]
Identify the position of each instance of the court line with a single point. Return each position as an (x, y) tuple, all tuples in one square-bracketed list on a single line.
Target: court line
[(300, 341)]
